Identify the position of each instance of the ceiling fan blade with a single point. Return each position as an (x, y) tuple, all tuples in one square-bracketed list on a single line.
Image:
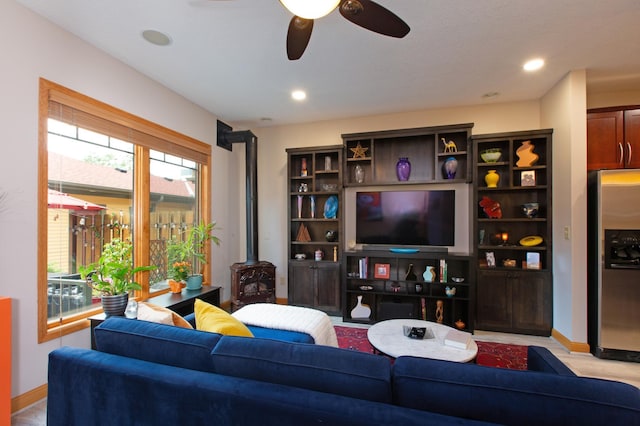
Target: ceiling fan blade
[(372, 16), (298, 36)]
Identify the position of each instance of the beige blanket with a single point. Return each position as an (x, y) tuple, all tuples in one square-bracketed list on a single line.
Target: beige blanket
[(293, 318)]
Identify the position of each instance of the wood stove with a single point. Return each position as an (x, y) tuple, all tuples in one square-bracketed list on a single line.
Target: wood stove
[(252, 283)]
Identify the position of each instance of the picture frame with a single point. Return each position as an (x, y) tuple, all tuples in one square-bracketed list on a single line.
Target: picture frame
[(533, 260), (382, 270), (528, 178), (491, 259)]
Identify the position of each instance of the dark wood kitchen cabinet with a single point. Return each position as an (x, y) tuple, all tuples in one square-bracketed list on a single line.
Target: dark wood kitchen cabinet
[(613, 139)]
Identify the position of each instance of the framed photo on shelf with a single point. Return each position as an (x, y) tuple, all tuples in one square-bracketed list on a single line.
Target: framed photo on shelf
[(382, 270), (528, 178), (533, 260), (491, 259)]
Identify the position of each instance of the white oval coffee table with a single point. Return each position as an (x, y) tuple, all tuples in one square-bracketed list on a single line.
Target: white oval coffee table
[(388, 337)]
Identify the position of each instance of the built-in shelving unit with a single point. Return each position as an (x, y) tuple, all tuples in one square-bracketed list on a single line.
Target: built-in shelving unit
[(315, 208), (514, 251), (426, 148), (379, 279)]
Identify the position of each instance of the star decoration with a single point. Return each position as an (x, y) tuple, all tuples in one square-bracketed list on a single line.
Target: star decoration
[(359, 151)]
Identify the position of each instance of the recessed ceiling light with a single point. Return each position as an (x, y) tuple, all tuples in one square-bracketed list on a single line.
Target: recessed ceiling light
[(533, 64), (299, 95), (156, 37)]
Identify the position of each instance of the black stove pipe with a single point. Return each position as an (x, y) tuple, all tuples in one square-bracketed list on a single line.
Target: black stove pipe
[(251, 185)]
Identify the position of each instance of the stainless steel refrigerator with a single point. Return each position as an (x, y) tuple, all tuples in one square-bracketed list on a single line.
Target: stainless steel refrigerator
[(614, 264)]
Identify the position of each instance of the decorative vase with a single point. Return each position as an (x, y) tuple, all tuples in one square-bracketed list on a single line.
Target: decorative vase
[(361, 311), (450, 167), (312, 203), (131, 311), (429, 274), (331, 235), (526, 156), (299, 206), (492, 178), (358, 173), (115, 305), (194, 282), (410, 275), (403, 169)]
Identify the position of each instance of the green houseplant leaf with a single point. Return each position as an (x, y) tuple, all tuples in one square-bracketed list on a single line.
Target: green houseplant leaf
[(114, 272)]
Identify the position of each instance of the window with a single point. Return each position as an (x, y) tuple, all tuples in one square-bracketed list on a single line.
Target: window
[(105, 174)]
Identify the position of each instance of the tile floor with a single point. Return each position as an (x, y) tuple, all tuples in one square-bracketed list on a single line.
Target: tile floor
[(581, 364)]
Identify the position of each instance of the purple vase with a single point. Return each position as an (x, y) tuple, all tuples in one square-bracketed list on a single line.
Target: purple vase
[(450, 167), (403, 169)]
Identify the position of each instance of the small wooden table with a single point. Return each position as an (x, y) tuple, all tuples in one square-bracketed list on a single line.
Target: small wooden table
[(180, 303), (388, 337)]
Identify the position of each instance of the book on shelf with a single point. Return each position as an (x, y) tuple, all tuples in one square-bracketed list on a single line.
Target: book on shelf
[(457, 339), (443, 271), (363, 264)]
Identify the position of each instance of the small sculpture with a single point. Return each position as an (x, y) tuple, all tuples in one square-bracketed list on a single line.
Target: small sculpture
[(450, 291), (449, 146), (491, 208), (359, 151), (460, 325), (439, 311)]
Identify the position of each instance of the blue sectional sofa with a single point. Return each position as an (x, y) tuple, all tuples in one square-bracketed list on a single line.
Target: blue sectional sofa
[(152, 374)]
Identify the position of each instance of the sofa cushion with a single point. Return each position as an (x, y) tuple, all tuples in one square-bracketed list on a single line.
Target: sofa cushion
[(314, 367), (214, 320), (512, 397), (160, 343), (541, 359)]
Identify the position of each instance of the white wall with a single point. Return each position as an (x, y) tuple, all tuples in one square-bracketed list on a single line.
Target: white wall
[(32, 48), (564, 109)]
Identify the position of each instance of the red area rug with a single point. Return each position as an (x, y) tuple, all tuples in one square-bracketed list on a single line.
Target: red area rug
[(489, 354)]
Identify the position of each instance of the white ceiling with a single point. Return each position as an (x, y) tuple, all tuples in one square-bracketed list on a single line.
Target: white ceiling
[(228, 56)]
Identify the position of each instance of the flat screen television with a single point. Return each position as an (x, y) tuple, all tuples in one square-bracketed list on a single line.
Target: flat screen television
[(406, 218)]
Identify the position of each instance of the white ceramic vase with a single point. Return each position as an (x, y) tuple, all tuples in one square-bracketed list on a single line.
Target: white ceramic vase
[(361, 311)]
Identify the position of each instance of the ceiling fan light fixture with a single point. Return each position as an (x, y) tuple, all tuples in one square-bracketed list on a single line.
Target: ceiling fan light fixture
[(310, 9)]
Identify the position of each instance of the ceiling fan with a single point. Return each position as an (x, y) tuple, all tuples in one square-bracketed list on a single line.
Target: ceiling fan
[(365, 13)]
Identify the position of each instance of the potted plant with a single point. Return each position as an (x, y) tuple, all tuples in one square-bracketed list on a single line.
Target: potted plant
[(113, 275), (178, 274), (191, 250)]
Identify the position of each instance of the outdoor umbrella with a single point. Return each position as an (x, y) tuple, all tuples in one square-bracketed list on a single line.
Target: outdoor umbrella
[(60, 200)]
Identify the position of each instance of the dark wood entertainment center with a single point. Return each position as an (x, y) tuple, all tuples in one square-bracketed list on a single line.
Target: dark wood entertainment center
[(503, 297)]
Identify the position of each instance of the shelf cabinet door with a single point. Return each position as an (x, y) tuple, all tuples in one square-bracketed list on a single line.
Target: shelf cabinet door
[(494, 305), (315, 285), (327, 283), (301, 283), (531, 298)]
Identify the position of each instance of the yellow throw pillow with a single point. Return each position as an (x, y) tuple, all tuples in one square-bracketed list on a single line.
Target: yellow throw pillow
[(154, 313), (213, 319)]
